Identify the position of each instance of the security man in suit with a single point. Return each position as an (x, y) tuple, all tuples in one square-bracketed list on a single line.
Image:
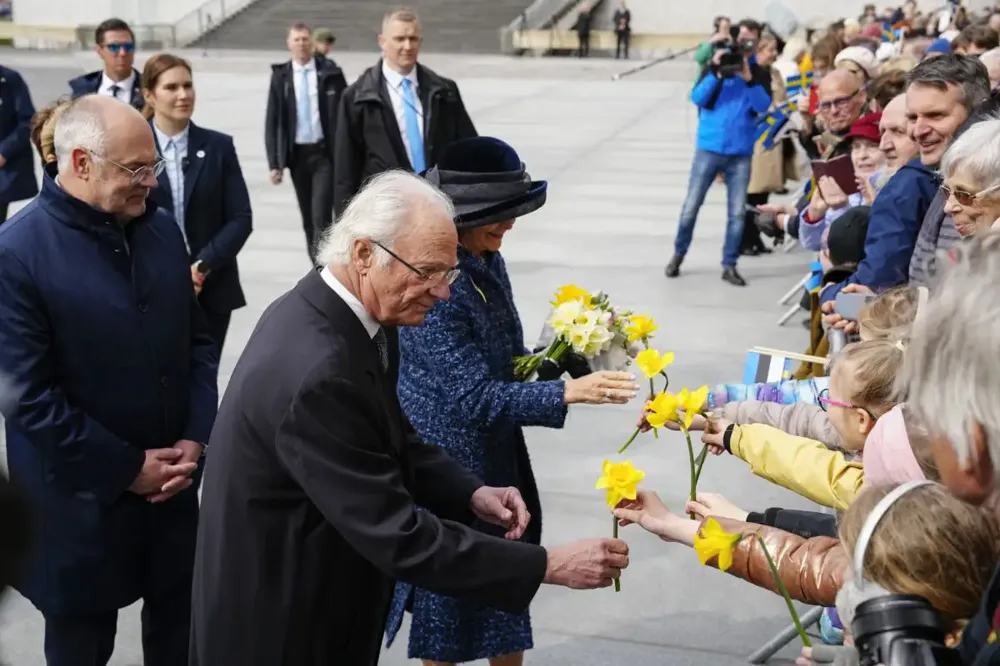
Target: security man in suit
[(116, 47), (17, 163), (397, 115), (203, 186), (300, 127)]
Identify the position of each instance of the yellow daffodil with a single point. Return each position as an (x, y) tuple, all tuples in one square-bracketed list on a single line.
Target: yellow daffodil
[(661, 409), (620, 480), (651, 363), (714, 541), (692, 404), (571, 292), (640, 327)]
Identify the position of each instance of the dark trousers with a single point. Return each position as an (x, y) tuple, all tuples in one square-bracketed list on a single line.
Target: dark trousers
[(4, 207), (218, 326), (90, 640), (622, 47), (312, 177), (584, 44), (751, 235)]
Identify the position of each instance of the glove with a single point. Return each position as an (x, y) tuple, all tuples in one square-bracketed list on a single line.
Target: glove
[(577, 366), (549, 370), (835, 655)]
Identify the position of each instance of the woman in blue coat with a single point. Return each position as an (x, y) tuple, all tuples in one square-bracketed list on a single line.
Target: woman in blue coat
[(17, 162), (457, 388)]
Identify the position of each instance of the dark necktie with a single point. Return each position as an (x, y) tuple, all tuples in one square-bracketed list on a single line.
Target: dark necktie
[(115, 89), (383, 348)]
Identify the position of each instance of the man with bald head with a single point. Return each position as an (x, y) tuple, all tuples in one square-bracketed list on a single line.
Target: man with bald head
[(842, 100), (897, 144), (113, 394)]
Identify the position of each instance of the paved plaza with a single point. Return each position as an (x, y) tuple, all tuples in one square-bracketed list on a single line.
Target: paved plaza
[(616, 155)]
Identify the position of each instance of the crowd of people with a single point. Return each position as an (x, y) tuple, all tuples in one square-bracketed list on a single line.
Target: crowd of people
[(368, 457)]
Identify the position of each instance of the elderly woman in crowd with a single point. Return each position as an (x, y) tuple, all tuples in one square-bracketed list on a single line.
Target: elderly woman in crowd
[(458, 389), (971, 172)]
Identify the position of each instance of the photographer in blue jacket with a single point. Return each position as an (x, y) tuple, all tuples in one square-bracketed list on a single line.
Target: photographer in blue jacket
[(732, 95)]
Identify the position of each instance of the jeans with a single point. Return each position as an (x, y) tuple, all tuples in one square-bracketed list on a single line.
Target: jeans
[(705, 167)]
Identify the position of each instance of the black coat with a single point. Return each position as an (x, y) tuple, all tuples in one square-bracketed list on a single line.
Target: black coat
[(280, 119), (217, 214), (309, 506), (368, 139), (88, 84), (17, 176), (108, 355)]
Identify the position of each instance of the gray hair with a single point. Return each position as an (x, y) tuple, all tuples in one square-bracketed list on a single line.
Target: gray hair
[(379, 212), (81, 125), (977, 153), (949, 373), (968, 73)]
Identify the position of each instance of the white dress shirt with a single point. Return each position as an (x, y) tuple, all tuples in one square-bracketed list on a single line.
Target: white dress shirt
[(352, 301), (124, 87), (175, 150), (394, 83), (317, 126)]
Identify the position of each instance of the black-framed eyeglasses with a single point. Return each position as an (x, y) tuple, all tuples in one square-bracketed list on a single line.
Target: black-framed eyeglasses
[(116, 47), (448, 275), (137, 175), (840, 102)]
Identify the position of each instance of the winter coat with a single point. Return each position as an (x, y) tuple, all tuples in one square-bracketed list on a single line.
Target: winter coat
[(17, 175), (800, 419)]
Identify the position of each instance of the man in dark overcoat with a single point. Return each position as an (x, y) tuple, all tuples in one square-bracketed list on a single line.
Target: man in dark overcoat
[(112, 391), (309, 508), (397, 115), (17, 162)]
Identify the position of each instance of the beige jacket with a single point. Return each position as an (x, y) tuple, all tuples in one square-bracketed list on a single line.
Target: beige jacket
[(801, 419)]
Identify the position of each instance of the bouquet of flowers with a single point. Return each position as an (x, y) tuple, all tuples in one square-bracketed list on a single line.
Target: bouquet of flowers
[(585, 324)]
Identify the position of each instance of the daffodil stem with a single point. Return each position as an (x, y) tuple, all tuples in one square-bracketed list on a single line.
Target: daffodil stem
[(694, 479), (700, 460), (630, 440), (784, 592), (614, 535), (666, 379), (652, 394)]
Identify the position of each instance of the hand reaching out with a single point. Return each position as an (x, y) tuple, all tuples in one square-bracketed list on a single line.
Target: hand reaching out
[(649, 512), (713, 504), (715, 437)]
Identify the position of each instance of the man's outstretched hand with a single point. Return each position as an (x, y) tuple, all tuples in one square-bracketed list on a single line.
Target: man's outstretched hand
[(501, 506), (586, 565)]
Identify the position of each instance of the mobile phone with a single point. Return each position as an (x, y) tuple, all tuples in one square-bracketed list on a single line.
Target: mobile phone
[(849, 306)]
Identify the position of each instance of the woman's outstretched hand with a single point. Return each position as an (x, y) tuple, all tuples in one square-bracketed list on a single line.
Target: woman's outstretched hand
[(601, 388)]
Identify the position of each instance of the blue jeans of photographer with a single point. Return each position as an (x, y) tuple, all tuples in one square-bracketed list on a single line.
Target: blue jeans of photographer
[(705, 167)]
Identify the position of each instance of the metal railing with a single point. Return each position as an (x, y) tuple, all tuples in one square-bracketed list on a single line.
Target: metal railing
[(198, 22), (540, 15)]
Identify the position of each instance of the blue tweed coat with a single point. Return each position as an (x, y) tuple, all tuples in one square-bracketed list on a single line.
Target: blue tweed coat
[(456, 385)]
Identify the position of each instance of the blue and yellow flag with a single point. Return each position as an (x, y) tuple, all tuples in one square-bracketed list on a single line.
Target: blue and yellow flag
[(799, 83), (770, 126)]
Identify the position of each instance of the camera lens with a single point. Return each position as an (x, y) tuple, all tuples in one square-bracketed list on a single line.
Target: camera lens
[(879, 623)]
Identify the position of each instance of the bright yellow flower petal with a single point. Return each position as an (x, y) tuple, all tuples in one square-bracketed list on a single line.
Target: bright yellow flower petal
[(621, 481), (692, 403), (640, 327), (651, 363), (571, 292), (661, 409), (713, 541)]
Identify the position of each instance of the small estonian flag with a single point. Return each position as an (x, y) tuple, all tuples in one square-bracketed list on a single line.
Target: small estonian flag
[(762, 367)]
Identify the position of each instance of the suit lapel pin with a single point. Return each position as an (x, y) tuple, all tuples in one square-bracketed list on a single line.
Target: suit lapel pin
[(200, 154)]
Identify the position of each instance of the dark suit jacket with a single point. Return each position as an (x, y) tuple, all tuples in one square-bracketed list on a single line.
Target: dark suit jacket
[(17, 176), (108, 355), (88, 84), (309, 506), (280, 119), (217, 214), (368, 138)]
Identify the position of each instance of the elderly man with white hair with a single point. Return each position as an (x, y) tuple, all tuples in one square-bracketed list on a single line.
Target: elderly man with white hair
[(950, 377), (113, 390), (314, 477)]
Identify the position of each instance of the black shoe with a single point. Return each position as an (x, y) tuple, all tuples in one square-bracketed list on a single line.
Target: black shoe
[(763, 249), (732, 277), (750, 251), (673, 268)]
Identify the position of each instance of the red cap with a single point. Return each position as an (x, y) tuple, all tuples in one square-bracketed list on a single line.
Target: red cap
[(866, 127)]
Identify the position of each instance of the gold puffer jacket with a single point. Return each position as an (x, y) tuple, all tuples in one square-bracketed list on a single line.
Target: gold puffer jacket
[(812, 569)]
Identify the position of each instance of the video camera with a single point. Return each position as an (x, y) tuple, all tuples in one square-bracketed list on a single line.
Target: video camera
[(733, 54), (901, 630)]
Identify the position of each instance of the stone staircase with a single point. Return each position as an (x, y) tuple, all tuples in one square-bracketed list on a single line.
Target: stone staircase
[(449, 26)]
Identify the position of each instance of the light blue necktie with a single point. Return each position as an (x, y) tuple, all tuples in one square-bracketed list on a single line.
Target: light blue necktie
[(305, 110), (413, 133)]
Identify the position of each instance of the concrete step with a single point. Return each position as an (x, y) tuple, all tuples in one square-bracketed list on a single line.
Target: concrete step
[(454, 26)]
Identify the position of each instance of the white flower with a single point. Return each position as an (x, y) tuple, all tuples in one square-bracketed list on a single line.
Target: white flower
[(564, 317)]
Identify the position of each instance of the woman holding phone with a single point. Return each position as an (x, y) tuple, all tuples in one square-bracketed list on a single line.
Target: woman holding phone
[(202, 186)]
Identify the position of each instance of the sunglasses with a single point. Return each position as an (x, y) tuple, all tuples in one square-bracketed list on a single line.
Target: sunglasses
[(118, 47), (966, 198)]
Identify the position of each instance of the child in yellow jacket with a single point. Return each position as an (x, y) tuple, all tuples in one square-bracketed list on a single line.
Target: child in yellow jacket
[(862, 381)]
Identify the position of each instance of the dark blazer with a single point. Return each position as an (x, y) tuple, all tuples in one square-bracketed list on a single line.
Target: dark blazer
[(309, 505), (280, 119), (368, 138), (17, 176), (107, 355), (217, 214), (88, 84)]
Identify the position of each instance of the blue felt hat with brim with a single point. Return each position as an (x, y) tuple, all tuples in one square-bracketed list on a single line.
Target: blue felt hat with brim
[(486, 181)]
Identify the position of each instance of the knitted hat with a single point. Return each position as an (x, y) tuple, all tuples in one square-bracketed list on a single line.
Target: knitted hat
[(846, 239), (861, 57)]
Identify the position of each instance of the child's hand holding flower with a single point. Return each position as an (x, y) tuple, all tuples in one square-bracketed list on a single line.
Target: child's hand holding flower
[(715, 437)]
